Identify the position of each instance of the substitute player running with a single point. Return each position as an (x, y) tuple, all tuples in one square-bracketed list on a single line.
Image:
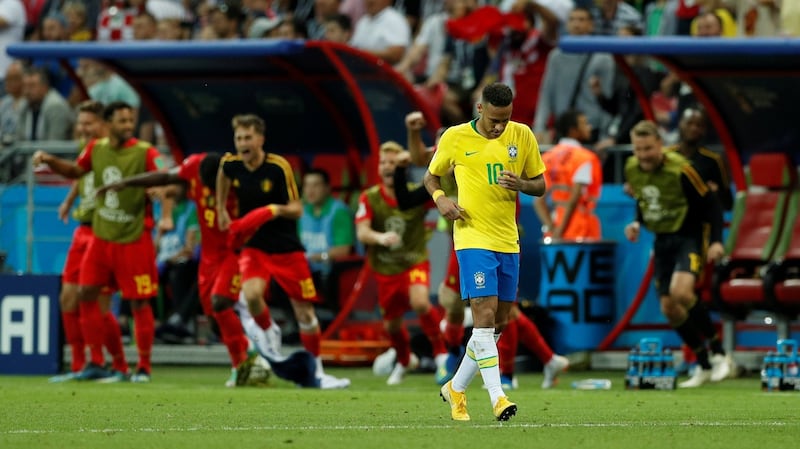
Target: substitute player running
[(494, 159)]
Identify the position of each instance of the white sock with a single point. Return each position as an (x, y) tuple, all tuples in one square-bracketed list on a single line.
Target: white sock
[(256, 335), (485, 350), (308, 326), (320, 371), (467, 369)]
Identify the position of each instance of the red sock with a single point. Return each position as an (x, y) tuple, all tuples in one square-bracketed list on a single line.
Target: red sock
[(113, 342), (688, 355), (532, 339), (429, 322), (263, 319), (453, 335), (91, 319), (144, 327), (401, 343), (72, 332), (311, 341), (507, 347), (230, 328)]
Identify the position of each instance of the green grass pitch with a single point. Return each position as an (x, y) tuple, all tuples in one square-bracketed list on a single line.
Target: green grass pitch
[(188, 407)]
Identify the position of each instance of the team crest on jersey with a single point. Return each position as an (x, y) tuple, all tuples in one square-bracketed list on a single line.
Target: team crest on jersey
[(266, 186), (512, 152), (480, 279)]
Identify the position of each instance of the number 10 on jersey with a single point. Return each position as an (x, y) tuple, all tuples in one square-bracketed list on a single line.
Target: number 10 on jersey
[(493, 171)]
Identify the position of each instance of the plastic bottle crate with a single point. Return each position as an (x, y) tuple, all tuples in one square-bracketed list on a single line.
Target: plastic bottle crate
[(650, 367), (779, 371)]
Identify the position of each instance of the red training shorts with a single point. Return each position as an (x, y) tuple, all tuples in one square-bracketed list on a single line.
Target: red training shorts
[(130, 266), (451, 278), (290, 271), (393, 289), (218, 275), (80, 241)]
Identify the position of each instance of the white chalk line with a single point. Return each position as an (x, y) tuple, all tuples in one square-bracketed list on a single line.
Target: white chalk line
[(715, 424)]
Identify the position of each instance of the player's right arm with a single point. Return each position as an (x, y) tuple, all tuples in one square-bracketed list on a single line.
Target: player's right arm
[(439, 166), (222, 188), (147, 179), (63, 167)]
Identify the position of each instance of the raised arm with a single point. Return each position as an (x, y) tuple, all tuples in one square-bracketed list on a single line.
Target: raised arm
[(420, 156)]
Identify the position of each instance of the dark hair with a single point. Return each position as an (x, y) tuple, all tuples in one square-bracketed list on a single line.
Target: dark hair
[(249, 121), (497, 94), (635, 30), (41, 73), (530, 12), (92, 106), (584, 9), (567, 121), (344, 21), (208, 170), (299, 28), (113, 107), (698, 108), (326, 178), (232, 9)]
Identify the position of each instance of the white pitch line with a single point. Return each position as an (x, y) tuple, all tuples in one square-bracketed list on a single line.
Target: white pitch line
[(407, 427)]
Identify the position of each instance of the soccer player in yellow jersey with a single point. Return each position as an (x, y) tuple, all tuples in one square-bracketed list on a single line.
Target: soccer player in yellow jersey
[(494, 159)]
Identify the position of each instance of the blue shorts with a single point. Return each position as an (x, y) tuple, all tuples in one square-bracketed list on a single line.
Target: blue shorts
[(488, 273)]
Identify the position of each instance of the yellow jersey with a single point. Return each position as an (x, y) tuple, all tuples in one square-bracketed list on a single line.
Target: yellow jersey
[(490, 216)]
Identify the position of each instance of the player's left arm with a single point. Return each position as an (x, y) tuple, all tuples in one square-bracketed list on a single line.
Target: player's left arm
[(69, 200), (531, 181), (719, 182), (703, 202), (222, 189), (520, 183), (293, 209)]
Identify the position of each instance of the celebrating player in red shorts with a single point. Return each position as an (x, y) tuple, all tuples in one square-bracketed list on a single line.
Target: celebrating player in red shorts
[(121, 251), (89, 125)]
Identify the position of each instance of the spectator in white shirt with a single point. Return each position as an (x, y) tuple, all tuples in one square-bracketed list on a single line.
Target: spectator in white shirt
[(382, 31), (12, 30)]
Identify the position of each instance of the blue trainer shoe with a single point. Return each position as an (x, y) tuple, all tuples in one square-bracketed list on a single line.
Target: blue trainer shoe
[(92, 372), (66, 377)]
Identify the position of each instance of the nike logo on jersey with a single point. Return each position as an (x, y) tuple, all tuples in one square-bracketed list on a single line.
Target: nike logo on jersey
[(470, 153)]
